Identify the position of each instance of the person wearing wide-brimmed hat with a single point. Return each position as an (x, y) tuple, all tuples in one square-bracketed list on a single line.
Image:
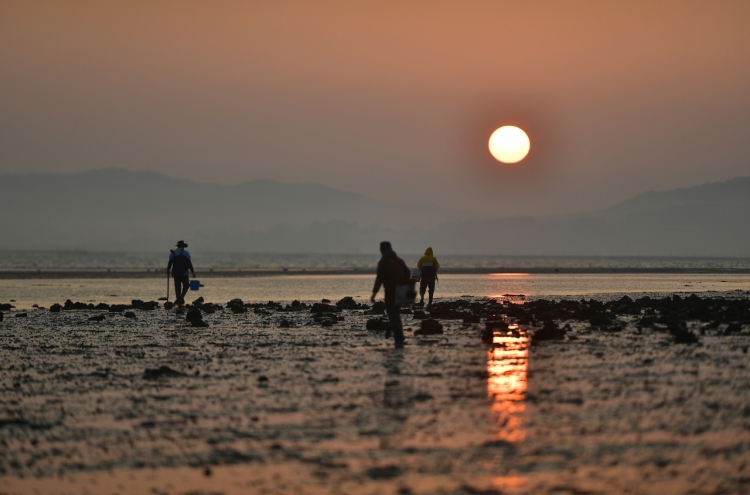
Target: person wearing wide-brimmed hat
[(180, 264)]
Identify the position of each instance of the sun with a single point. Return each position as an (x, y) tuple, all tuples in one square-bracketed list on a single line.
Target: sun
[(509, 144)]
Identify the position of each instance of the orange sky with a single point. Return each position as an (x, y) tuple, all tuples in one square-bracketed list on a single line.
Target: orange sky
[(394, 99)]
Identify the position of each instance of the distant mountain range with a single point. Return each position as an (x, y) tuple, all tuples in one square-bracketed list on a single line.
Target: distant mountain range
[(114, 209)]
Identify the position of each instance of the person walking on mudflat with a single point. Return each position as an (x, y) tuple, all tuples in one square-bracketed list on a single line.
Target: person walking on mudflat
[(180, 264), (429, 266), (391, 271)]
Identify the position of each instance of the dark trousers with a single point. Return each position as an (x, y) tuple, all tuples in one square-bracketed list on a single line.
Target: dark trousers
[(181, 286), (394, 315), (424, 284)]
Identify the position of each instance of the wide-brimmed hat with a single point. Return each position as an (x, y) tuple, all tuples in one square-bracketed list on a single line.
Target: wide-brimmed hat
[(181, 244)]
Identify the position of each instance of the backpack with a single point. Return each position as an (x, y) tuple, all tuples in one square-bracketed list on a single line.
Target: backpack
[(179, 265)]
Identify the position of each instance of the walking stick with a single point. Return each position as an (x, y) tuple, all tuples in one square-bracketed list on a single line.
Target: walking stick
[(167, 286)]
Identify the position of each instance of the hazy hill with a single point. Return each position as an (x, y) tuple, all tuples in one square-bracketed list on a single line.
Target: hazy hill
[(121, 210), (142, 210), (706, 220)]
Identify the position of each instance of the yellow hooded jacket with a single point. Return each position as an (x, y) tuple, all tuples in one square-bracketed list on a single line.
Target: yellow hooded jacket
[(428, 264)]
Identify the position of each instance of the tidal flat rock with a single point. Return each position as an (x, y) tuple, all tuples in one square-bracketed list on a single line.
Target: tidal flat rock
[(496, 324), (97, 318), (199, 323), (161, 372), (377, 324), (129, 314), (237, 306), (550, 331), (685, 336), (168, 305), (194, 314), (468, 319), (6, 307), (347, 302), (429, 327), (322, 308), (22, 315), (145, 306), (55, 308), (383, 473)]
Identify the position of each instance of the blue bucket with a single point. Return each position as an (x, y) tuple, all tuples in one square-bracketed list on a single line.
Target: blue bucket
[(195, 284)]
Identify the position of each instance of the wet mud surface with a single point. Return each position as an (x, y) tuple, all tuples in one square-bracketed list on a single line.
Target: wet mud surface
[(541, 397)]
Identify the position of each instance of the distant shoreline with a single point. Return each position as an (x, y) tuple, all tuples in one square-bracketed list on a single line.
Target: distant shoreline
[(21, 274)]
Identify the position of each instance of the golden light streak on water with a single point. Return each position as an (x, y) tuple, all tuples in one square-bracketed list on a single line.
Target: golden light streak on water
[(507, 366)]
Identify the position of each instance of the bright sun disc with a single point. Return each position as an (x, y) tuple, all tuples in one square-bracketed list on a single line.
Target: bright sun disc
[(509, 144)]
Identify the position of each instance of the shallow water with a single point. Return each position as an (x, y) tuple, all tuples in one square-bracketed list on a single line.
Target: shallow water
[(81, 260), (314, 287)]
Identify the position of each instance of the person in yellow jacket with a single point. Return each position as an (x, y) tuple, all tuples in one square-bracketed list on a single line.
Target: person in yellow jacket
[(429, 267)]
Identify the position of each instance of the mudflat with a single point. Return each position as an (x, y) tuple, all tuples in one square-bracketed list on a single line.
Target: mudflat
[(274, 398)]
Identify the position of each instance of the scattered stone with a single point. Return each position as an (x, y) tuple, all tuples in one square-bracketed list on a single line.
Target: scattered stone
[(145, 306), (429, 327), (378, 324), (496, 324), (471, 319), (55, 308), (685, 336), (732, 328), (129, 314), (347, 303), (198, 301), (237, 306), (284, 323), (194, 314), (383, 473), (97, 318), (168, 305), (199, 323), (161, 372), (6, 307), (325, 301), (550, 331), (22, 315), (322, 308)]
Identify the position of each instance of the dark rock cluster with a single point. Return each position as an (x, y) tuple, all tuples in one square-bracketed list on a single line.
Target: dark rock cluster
[(721, 315), (429, 327)]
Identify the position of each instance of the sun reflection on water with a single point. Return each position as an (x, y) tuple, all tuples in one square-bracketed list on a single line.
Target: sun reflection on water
[(507, 365)]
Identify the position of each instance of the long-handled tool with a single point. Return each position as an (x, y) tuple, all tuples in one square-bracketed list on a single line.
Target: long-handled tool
[(167, 286)]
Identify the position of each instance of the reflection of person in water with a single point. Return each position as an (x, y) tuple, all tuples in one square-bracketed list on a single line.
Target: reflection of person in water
[(397, 399)]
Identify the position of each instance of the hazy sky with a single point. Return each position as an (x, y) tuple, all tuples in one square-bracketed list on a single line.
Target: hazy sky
[(393, 99)]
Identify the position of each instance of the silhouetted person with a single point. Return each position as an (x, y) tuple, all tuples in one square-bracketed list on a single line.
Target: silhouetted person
[(429, 267), (179, 263), (391, 271)]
